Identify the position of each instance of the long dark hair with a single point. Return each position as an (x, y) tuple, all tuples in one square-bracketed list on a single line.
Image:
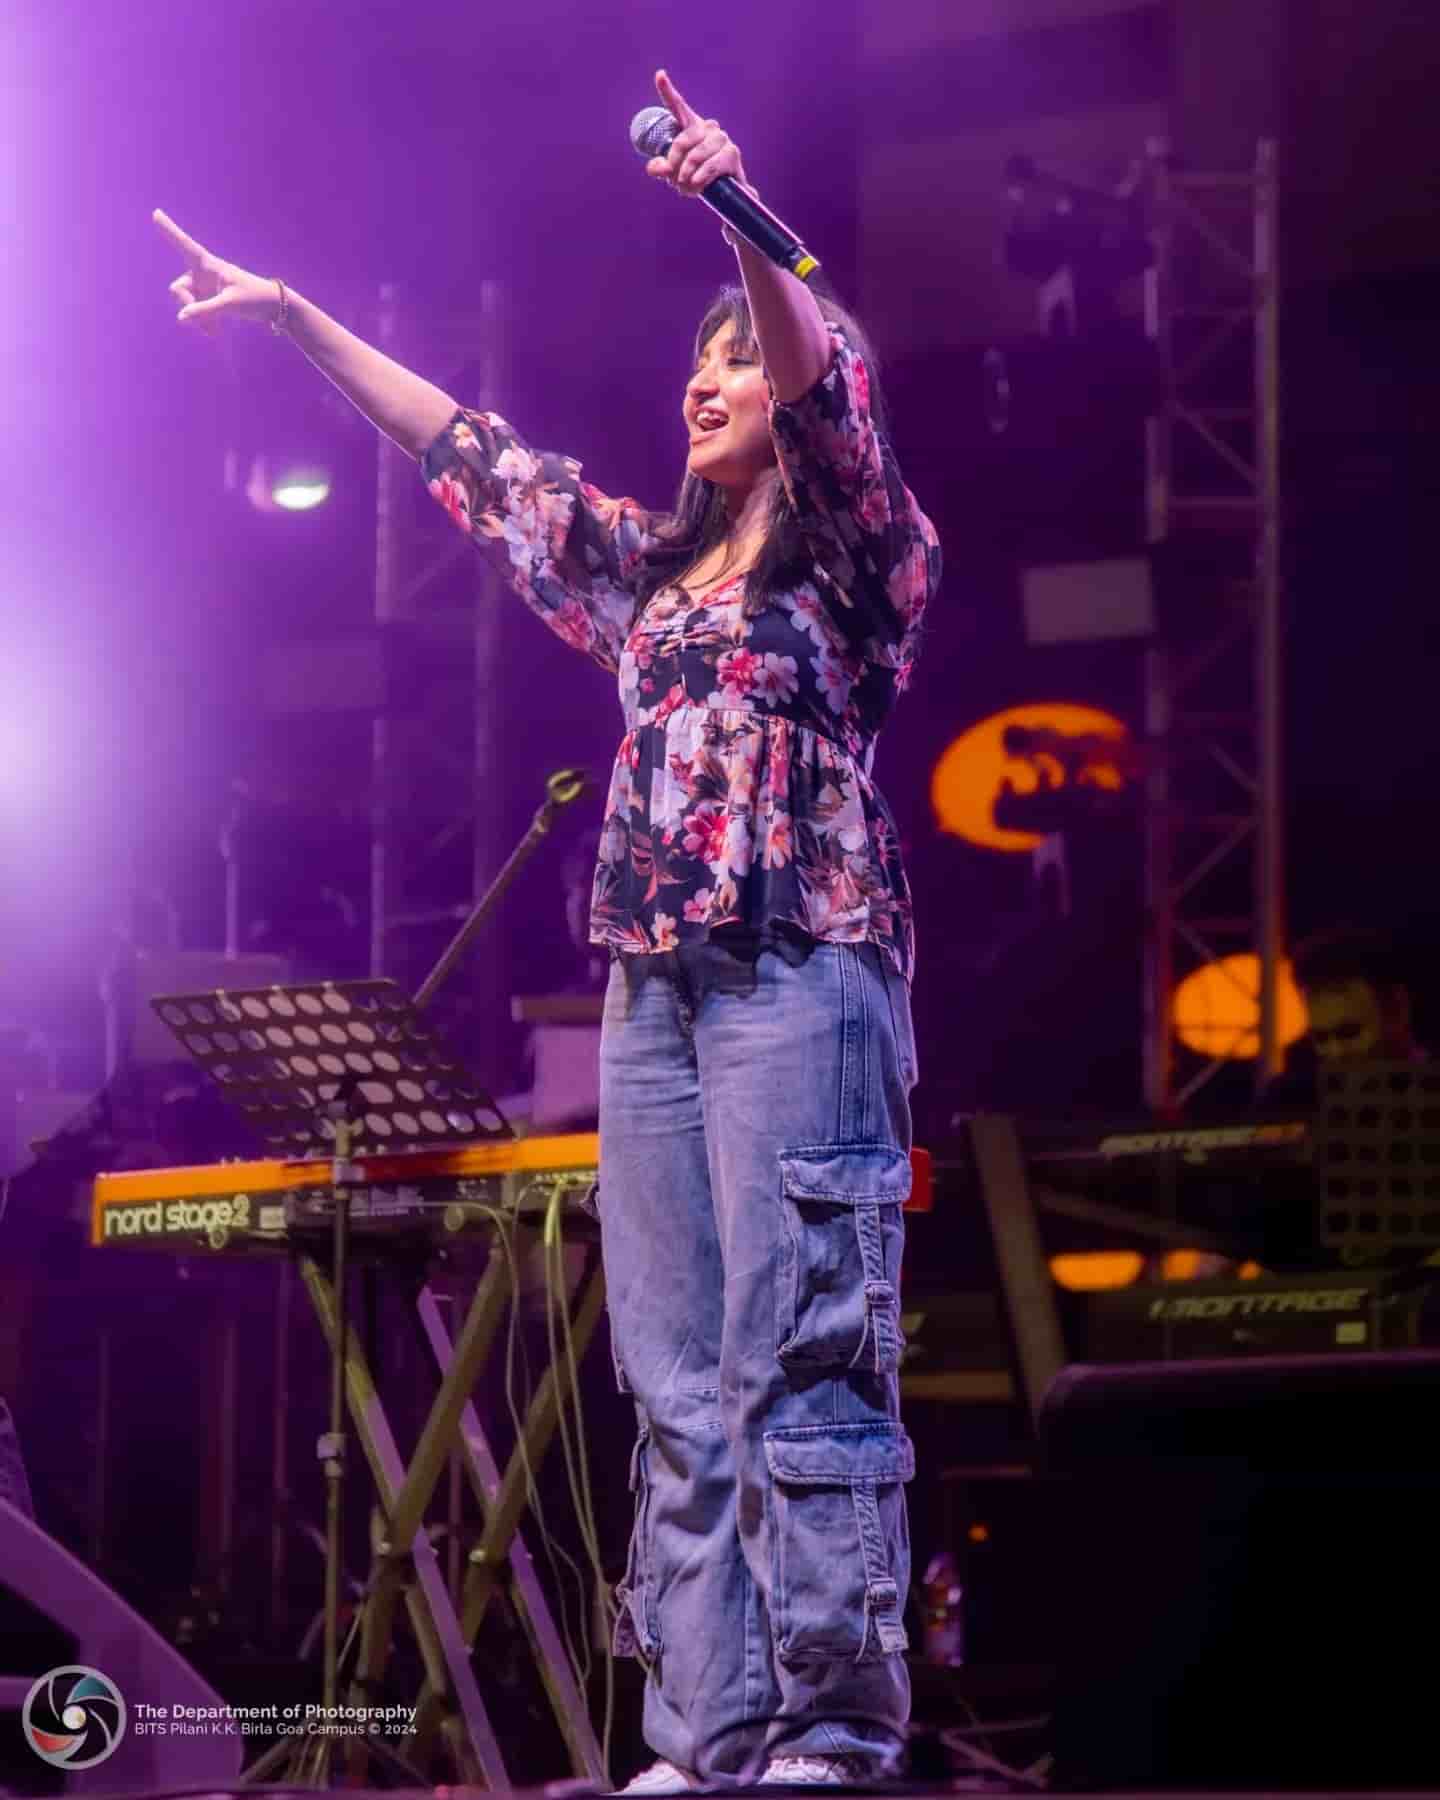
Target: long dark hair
[(701, 520)]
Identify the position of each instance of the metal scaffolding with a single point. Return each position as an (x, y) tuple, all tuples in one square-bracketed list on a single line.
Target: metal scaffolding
[(1214, 849), (434, 748)]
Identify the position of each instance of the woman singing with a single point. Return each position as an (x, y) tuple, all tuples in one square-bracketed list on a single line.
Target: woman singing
[(756, 1054)]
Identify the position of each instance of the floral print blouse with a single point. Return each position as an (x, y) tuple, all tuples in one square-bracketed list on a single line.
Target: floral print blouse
[(741, 793)]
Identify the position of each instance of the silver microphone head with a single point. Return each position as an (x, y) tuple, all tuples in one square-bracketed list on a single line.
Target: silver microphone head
[(653, 131)]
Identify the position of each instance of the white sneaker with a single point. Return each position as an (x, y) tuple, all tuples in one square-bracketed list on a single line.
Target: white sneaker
[(661, 1778), (814, 1771)]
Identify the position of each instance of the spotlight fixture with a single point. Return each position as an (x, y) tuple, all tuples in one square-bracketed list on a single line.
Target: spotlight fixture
[(299, 489), (286, 487), (275, 484)]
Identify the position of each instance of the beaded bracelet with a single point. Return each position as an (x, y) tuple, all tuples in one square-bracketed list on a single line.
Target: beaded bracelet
[(281, 322)]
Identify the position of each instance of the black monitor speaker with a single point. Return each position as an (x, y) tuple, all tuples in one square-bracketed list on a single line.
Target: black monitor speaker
[(1246, 1581)]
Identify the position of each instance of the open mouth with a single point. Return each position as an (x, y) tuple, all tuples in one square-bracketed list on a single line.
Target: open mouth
[(707, 421)]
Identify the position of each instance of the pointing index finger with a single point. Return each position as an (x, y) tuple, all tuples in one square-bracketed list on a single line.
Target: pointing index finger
[(180, 239), (674, 99)]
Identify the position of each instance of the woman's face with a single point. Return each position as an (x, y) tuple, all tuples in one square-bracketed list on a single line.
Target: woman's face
[(727, 414)]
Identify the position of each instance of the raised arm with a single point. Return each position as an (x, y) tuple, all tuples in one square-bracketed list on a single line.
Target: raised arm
[(408, 409), (794, 344), (867, 534), (567, 549)]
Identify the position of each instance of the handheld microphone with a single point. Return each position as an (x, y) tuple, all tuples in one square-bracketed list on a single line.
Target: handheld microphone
[(653, 131)]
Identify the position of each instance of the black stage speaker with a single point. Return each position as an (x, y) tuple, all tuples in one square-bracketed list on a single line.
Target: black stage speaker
[(1247, 1572)]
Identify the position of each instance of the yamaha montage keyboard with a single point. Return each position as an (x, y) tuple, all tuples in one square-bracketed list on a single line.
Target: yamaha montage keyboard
[(272, 1203), (1244, 1187)]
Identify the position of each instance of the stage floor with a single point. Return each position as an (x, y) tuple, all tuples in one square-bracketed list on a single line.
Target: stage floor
[(577, 1790)]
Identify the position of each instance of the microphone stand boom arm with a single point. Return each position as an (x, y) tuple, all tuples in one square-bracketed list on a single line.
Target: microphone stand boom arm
[(562, 787)]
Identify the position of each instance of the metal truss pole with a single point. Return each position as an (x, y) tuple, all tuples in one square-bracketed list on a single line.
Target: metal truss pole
[(433, 744), (1213, 812), (1270, 633)]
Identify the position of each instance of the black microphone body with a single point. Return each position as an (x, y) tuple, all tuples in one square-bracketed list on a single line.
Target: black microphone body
[(653, 131)]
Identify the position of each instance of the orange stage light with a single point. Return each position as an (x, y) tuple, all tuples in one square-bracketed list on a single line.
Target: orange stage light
[(1092, 1271), (1192, 1265), (1216, 1009), (972, 772)]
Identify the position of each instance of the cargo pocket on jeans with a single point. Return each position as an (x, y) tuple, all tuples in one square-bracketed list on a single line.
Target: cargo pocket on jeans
[(837, 1283), (839, 1540), (636, 1627)]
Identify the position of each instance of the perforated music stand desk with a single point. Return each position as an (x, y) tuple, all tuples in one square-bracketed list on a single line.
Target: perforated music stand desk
[(1377, 1154), (348, 1070), (282, 1055)]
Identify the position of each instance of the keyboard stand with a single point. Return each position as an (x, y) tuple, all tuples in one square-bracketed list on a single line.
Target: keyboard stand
[(356, 1068), (406, 1567)]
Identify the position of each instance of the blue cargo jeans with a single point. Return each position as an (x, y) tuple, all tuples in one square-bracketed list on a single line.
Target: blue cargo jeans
[(755, 1136)]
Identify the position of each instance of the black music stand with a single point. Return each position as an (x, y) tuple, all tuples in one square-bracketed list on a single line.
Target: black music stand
[(287, 1057), (342, 1069), (336, 1070)]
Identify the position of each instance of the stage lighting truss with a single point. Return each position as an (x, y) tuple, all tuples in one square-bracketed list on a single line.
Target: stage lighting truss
[(434, 757), (1213, 792), (1205, 245)]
